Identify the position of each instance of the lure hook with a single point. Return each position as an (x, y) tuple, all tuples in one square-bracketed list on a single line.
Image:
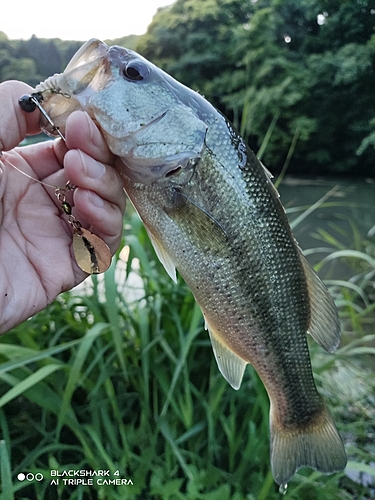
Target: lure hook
[(30, 102)]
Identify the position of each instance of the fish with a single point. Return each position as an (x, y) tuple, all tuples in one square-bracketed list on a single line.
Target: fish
[(213, 214)]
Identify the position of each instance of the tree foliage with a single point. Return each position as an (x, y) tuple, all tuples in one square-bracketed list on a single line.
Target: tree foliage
[(307, 66), (298, 73), (36, 59)]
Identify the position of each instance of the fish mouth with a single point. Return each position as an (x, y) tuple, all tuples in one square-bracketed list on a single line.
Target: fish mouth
[(91, 51), (88, 72)]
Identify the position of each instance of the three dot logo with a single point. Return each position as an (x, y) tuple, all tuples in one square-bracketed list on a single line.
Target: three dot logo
[(29, 476)]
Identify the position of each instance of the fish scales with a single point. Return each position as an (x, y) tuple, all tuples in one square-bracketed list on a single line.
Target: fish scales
[(212, 212), (222, 279)]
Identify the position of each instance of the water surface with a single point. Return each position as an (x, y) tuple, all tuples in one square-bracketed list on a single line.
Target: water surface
[(343, 221)]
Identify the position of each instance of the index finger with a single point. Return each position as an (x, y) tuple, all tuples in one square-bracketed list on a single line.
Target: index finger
[(82, 133), (15, 124)]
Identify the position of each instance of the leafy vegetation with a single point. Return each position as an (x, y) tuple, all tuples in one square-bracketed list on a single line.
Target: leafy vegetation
[(304, 68), (32, 61), (120, 376)]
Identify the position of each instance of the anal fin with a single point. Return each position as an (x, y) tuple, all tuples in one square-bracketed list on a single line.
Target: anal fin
[(231, 366)]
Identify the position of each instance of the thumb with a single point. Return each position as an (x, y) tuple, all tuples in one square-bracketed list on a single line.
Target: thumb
[(15, 124)]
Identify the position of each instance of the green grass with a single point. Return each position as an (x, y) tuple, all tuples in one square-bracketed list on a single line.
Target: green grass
[(123, 378)]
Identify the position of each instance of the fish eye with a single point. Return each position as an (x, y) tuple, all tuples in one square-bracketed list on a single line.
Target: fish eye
[(135, 71)]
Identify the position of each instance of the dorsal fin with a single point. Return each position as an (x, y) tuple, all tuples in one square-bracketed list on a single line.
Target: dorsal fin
[(324, 323)]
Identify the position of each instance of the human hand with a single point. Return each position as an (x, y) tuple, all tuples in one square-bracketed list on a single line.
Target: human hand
[(36, 258)]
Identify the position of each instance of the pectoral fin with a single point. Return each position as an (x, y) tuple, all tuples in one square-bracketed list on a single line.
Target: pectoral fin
[(231, 366), (324, 322), (197, 223)]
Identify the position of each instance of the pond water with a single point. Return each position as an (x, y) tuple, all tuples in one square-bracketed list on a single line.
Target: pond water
[(343, 221)]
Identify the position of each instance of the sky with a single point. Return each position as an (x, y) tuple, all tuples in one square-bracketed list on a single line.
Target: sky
[(77, 19)]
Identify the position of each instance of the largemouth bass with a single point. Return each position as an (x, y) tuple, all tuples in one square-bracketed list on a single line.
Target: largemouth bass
[(213, 214)]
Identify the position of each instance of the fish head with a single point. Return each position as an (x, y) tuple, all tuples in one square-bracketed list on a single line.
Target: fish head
[(149, 120)]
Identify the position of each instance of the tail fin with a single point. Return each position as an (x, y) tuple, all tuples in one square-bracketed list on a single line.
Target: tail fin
[(317, 445)]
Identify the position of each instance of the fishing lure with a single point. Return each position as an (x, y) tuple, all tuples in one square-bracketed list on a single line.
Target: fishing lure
[(92, 254)]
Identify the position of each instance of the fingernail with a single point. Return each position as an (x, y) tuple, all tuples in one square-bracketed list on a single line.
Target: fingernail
[(92, 168), (96, 200)]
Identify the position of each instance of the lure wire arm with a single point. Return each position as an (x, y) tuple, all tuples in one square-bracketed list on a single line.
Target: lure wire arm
[(30, 102), (36, 101)]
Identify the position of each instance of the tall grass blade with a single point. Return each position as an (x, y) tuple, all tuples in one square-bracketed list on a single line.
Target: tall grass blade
[(268, 484), (288, 157), (268, 135), (313, 207), (113, 311), (172, 424), (6, 474), (185, 347), (23, 385), (163, 426), (348, 254), (21, 356), (76, 371)]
